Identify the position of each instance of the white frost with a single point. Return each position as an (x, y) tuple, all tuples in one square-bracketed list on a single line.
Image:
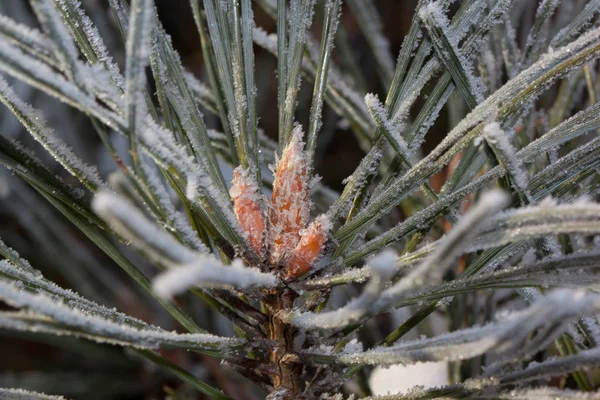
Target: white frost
[(20, 394), (104, 328), (509, 337), (382, 269), (379, 115), (434, 266), (505, 151), (35, 123), (175, 217), (207, 271), (129, 222)]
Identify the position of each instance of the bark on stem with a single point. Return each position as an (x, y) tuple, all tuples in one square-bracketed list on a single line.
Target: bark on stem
[(282, 357)]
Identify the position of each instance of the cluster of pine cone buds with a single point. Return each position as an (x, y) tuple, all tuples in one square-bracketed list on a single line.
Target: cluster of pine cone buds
[(283, 235)]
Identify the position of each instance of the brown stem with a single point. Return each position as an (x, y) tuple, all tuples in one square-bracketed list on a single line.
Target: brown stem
[(287, 375)]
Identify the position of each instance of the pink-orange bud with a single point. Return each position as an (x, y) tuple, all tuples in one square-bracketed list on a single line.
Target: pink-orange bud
[(290, 201), (309, 248), (247, 209)]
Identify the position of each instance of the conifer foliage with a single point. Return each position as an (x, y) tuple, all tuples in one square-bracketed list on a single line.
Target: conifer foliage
[(160, 195)]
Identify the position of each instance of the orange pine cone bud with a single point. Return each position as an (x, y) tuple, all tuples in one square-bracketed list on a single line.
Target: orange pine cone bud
[(246, 207), (290, 201), (309, 248)]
